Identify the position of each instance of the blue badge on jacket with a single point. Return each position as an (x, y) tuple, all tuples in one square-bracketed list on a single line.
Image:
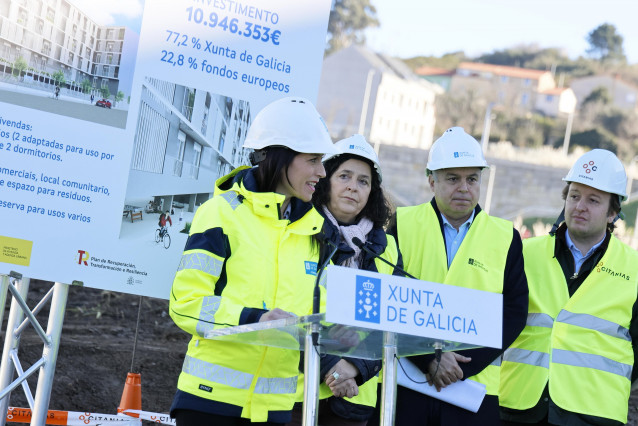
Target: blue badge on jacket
[(311, 267)]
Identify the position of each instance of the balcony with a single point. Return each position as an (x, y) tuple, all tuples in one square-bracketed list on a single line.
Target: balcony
[(193, 171)]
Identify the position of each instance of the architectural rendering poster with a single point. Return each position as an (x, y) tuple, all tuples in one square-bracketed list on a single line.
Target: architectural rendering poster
[(117, 117)]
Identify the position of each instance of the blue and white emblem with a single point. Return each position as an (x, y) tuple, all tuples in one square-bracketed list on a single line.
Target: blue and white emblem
[(368, 299)]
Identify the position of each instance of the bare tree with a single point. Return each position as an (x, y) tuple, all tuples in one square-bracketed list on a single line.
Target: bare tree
[(348, 20)]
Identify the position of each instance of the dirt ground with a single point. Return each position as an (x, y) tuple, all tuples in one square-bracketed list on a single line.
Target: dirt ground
[(96, 352)]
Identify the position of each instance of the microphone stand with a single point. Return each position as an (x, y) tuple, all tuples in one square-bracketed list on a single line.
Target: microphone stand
[(311, 351), (357, 242), (316, 300)]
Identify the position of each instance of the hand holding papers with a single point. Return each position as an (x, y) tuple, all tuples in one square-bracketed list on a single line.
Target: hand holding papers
[(466, 394)]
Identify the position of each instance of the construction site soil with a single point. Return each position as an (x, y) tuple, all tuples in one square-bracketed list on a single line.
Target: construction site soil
[(97, 351)]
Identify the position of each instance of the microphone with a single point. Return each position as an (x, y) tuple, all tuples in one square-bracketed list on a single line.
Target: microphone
[(357, 242), (438, 345), (438, 350), (316, 299)]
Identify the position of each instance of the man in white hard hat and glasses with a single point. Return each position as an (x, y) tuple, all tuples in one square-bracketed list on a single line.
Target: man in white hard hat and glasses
[(573, 362), (450, 240)]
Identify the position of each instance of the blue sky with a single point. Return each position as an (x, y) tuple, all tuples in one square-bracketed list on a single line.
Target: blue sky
[(435, 27), (114, 12)]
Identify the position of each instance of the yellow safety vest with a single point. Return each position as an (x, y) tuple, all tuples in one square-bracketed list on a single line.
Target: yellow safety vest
[(268, 263), (581, 342), (479, 263), (368, 391)]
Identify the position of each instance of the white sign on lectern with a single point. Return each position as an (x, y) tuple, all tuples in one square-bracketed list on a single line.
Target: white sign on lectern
[(408, 306)]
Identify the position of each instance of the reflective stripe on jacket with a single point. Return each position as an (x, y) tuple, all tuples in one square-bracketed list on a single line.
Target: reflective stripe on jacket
[(581, 342), (478, 264), (240, 254)]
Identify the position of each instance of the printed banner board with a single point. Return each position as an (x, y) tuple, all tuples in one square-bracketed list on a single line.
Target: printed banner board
[(409, 306), (110, 119)]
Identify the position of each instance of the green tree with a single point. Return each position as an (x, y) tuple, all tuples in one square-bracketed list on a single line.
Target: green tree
[(58, 78), (449, 61), (106, 93), (598, 95), (606, 44), (594, 138), (19, 66), (119, 96), (86, 86), (348, 20)]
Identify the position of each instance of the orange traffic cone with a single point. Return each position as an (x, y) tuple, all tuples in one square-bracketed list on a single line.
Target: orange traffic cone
[(132, 394)]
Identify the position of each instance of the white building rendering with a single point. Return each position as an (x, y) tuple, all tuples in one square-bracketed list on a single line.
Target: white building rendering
[(55, 35), (185, 139), (365, 92)]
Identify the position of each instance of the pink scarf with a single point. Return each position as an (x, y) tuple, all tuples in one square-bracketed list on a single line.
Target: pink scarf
[(348, 232)]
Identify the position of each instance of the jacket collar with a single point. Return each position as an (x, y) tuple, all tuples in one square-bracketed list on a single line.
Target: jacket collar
[(439, 215), (242, 180)]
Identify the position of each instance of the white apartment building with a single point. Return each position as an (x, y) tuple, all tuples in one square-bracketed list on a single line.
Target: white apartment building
[(365, 92), (54, 35)]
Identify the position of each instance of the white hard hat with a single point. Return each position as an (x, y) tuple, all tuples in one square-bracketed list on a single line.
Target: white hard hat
[(600, 169), (455, 148), (357, 145), (292, 122)]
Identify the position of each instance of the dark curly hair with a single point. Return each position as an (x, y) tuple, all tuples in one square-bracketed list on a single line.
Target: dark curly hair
[(377, 209)]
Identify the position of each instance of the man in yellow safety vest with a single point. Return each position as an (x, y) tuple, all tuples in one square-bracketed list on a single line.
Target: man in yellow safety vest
[(572, 364), (450, 240)]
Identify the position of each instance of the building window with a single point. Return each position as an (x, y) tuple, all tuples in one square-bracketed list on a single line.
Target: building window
[(524, 99), (504, 79), (527, 82), (549, 98)]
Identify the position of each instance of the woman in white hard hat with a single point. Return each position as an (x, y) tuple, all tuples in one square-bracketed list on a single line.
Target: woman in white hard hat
[(354, 205), (250, 257)]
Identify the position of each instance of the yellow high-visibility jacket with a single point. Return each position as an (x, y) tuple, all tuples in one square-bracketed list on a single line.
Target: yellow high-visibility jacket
[(479, 263), (242, 258), (580, 344)]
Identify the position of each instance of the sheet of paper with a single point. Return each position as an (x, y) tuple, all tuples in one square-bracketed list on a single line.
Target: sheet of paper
[(466, 394)]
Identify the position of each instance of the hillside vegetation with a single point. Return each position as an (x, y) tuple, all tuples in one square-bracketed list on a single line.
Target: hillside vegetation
[(597, 122)]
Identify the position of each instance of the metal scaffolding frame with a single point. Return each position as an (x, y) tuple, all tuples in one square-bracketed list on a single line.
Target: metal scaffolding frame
[(18, 286)]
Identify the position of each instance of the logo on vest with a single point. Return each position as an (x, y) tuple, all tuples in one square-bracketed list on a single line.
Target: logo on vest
[(476, 264), (311, 267), (600, 267), (368, 299), (205, 388)]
